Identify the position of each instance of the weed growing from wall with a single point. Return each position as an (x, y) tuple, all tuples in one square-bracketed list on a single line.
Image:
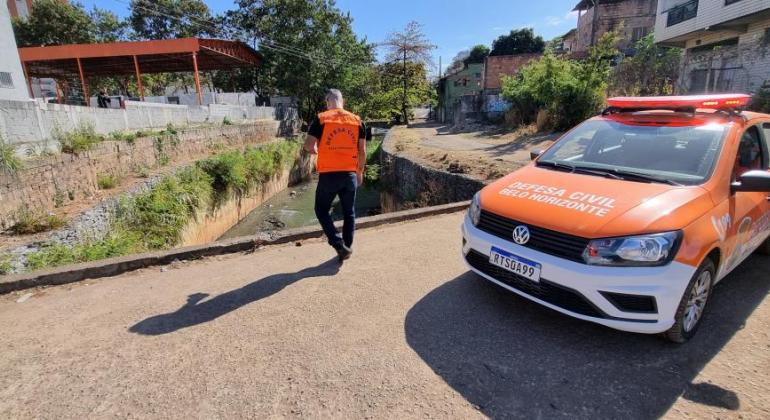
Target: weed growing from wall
[(9, 162), (107, 181), (79, 140)]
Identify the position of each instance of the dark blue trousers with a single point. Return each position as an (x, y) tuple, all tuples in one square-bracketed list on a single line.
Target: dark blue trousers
[(331, 185)]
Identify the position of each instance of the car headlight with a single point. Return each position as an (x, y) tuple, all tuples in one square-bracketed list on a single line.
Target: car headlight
[(474, 211), (640, 251)]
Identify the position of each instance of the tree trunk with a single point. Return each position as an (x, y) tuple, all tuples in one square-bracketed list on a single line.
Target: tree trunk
[(404, 105)]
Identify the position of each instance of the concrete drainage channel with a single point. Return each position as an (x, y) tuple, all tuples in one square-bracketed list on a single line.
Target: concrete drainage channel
[(116, 266)]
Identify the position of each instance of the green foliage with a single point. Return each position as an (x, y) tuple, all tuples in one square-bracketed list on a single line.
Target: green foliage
[(570, 91), (9, 162), (652, 71), (114, 245), (477, 54), (107, 181), (6, 267), (226, 121), (55, 22), (760, 102), (333, 55), (170, 130), (169, 19), (81, 139), (518, 41), (29, 222), (386, 91), (129, 138)]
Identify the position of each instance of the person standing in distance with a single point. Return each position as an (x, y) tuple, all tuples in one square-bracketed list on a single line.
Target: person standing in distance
[(339, 139)]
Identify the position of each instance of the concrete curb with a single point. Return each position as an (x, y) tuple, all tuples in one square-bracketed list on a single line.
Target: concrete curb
[(115, 266)]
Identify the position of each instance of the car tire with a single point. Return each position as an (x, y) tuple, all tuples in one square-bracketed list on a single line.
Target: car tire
[(694, 303)]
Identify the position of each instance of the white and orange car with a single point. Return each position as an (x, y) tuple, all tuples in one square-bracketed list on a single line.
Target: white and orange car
[(631, 217)]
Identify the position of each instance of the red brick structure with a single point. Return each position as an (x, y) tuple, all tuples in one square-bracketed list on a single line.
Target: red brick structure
[(636, 16), (503, 65)]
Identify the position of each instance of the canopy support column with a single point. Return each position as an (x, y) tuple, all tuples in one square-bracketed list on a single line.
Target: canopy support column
[(29, 81), (197, 78), (83, 83), (139, 78)]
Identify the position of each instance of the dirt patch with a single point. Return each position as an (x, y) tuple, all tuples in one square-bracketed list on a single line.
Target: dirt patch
[(482, 152)]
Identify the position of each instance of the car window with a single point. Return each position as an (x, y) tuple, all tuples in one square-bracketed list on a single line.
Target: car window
[(683, 154), (750, 155)]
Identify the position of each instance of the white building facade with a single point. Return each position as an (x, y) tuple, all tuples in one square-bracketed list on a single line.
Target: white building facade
[(12, 83), (726, 42)]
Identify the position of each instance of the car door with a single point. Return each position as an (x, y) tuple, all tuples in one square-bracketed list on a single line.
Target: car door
[(749, 211)]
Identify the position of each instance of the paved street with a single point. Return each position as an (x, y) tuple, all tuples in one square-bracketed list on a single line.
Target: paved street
[(400, 331)]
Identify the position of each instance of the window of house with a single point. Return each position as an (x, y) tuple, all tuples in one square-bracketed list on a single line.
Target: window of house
[(682, 12), (729, 2), (5, 80)]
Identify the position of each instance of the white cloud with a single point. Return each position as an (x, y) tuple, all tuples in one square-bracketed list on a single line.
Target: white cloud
[(560, 20)]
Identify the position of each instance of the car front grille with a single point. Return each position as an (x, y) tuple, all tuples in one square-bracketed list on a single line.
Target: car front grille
[(544, 240), (544, 290)]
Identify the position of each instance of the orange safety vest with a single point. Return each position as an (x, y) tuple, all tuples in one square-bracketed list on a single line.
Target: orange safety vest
[(338, 145)]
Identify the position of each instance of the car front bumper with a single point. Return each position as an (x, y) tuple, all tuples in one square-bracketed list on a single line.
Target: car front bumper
[(581, 290)]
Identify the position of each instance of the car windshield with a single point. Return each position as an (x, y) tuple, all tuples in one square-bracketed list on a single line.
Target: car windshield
[(643, 153)]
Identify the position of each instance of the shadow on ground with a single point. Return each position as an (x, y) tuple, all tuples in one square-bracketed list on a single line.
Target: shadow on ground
[(515, 359), (195, 312)]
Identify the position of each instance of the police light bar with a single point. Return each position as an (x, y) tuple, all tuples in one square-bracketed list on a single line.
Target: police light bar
[(718, 102)]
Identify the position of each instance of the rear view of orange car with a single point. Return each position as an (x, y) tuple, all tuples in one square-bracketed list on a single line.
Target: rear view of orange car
[(632, 217)]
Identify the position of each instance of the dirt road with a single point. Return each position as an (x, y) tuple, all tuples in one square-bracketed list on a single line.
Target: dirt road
[(483, 154), (400, 331)]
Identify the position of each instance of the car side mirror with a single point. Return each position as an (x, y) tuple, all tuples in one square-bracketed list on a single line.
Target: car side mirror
[(534, 154), (753, 181)]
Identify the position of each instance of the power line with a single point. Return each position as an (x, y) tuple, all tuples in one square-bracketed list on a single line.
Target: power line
[(211, 26)]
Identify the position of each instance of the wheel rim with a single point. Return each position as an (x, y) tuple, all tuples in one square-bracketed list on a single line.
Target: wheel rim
[(696, 303)]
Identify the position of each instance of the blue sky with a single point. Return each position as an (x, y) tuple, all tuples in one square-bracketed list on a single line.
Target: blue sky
[(452, 25)]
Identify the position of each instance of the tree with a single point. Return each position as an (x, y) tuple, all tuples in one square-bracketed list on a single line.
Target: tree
[(169, 19), (309, 46), (409, 46), (569, 90), (458, 62), (107, 27), (518, 41), (652, 71), (477, 55), (54, 22)]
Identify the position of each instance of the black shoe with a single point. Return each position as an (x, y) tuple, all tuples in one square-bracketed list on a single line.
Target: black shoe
[(343, 253)]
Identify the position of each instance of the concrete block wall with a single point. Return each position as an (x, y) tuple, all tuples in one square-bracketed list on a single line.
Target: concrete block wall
[(409, 184), (49, 181), (31, 124)]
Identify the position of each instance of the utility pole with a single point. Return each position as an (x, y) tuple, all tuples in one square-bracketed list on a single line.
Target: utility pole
[(593, 22)]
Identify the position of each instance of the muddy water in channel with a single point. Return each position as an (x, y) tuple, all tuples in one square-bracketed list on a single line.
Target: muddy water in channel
[(293, 207)]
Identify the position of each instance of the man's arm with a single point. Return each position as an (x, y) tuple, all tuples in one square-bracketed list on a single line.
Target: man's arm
[(314, 132), (311, 144)]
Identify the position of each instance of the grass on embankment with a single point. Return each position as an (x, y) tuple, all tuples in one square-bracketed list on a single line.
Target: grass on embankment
[(154, 220), (372, 172)]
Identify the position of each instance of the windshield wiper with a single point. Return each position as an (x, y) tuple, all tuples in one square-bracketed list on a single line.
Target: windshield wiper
[(579, 169), (644, 177)]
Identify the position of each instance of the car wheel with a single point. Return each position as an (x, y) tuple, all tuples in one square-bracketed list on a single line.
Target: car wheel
[(693, 305)]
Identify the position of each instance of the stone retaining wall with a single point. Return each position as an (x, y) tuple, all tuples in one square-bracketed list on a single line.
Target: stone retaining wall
[(51, 181), (409, 184)]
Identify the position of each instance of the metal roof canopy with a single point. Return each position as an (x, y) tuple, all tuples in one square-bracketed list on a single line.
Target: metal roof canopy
[(135, 58)]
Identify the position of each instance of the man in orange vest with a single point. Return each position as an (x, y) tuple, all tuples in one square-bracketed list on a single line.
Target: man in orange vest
[(339, 139)]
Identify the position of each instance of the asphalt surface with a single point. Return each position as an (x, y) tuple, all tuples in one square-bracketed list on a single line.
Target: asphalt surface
[(402, 330)]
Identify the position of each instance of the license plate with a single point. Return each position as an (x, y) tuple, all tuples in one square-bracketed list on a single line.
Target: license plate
[(515, 264)]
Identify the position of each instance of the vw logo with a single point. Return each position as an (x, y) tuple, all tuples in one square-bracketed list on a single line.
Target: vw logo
[(521, 235)]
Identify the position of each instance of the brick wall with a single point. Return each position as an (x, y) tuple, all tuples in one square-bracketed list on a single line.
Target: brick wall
[(631, 14), (45, 181), (498, 66)]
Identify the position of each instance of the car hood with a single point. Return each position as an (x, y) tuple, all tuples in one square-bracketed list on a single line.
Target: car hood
[(592, 206)]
